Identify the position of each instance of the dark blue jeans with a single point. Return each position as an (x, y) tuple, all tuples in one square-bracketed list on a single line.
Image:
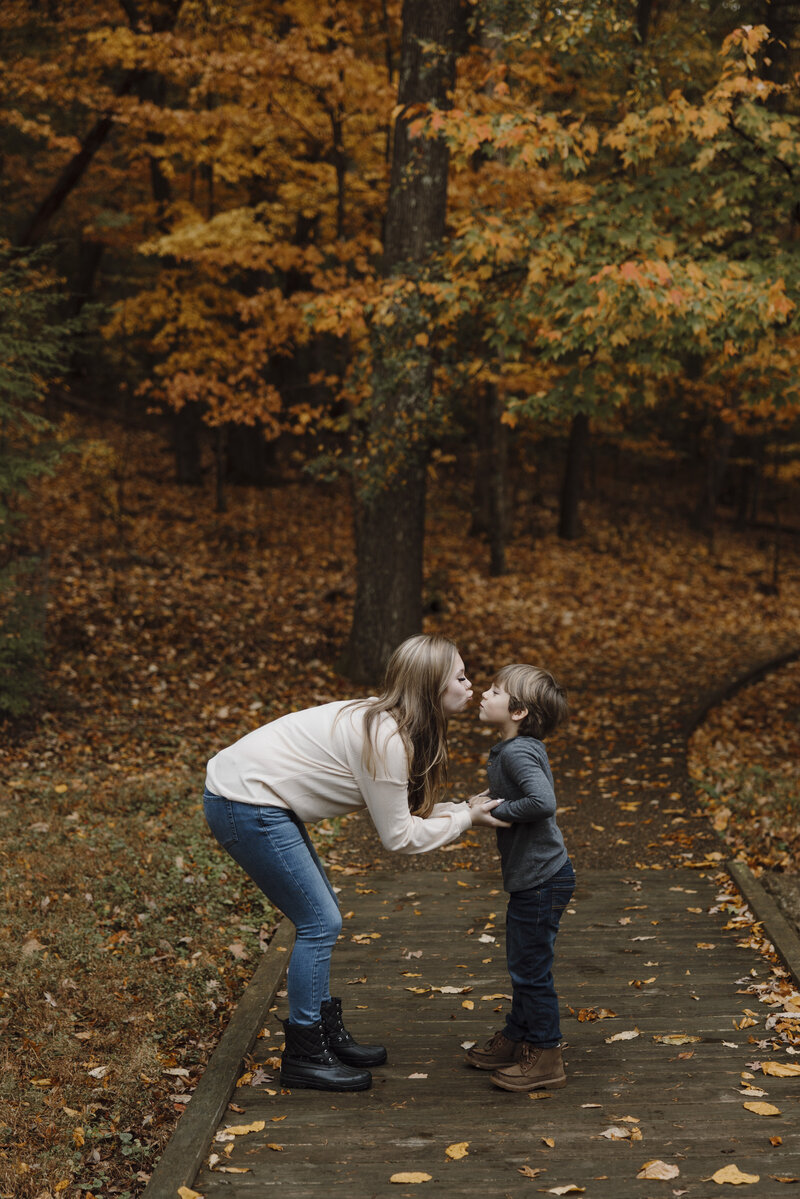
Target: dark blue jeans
[(532, 921)]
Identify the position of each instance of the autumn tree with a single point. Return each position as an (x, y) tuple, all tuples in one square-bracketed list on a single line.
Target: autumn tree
[(390, 494)]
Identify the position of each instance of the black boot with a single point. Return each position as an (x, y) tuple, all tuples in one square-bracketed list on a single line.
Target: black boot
[(308, 1061), (341, 1042)]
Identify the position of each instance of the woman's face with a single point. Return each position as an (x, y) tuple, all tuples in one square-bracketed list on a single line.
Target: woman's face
[(458, 690)]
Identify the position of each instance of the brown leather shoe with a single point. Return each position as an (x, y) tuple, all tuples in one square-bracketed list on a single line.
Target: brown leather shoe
[(534, 1068), (498, 1051)]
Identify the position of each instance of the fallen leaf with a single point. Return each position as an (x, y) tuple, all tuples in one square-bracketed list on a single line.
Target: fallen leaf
[(658, 1169), (733, 1175), (590, 1013), (762, 1109), (418, 1076), (469, 1005), (785, 1177), (239, 1130), (615, 1133), (406, 1176), (529, 1172), (781, 1069), (233, 1170), (569, 1189), (457, 1151), (549, 1142), (188, 1193), (274, 1147), (628, 1035), (677, 1038)]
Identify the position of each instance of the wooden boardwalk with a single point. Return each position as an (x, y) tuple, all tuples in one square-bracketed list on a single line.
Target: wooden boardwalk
[(640, 944)]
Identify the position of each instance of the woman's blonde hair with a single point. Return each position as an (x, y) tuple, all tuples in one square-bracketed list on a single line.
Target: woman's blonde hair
[(416, 676)]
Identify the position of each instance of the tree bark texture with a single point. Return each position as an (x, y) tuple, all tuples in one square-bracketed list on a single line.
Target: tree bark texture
[(389, 514)]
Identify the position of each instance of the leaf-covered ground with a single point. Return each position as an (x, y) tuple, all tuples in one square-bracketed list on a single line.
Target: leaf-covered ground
[(126, 938)]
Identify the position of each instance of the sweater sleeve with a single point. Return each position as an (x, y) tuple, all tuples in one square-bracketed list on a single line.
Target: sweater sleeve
[(536, 798), (386, 798)]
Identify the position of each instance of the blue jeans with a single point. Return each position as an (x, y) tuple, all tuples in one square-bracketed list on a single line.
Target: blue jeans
[(272, 845), (532, 921)]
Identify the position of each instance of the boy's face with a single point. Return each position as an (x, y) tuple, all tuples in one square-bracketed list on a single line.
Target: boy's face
[(494, 710)]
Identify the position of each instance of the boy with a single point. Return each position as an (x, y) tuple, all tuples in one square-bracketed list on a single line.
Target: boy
[(525, 704)]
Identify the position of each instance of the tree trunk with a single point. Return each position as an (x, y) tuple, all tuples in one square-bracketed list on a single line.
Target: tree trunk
[(569, 526), (497, 483), (390, 505)]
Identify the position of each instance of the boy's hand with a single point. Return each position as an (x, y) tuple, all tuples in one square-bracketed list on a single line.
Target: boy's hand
[(481, 813)]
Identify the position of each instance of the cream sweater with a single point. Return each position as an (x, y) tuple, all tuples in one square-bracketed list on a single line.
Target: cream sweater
[(311, 763)]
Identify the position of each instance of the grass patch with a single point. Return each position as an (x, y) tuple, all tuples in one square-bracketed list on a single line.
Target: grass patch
[(128, 936)]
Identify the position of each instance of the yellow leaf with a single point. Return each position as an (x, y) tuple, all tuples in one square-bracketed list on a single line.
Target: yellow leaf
[(781, 1069), (274, 1147), (59, 790), (239, 1130), (529, 1172), (569, 1189), (678, 1038), (405, 1176), (658, 1169), (549, 1142), (459, 1150), (762, 1109), (188, 1193), (733, 1175), (468, 1004)]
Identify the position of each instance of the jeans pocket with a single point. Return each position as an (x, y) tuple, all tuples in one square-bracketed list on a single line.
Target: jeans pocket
[(561, 897), (221, 820)]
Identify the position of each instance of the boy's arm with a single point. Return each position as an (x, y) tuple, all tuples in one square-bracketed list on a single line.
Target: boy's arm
[(537, 799)]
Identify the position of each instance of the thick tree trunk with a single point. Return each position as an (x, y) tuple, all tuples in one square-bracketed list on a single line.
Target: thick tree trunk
[(389, 511), (569, 525)]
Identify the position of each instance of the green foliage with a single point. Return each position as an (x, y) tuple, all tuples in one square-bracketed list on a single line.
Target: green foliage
[(32, 355), (22, 635)]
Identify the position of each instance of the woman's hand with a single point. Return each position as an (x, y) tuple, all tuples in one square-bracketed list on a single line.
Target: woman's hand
[(481, 812), (474, 800)]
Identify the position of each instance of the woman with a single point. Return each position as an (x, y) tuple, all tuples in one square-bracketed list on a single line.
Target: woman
[(386, 753)]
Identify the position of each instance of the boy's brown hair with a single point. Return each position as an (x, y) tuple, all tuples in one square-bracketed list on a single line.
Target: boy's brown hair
[(537, 691)]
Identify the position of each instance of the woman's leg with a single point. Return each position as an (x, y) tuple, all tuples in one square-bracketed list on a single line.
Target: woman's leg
[(532, 924), (274, 849)]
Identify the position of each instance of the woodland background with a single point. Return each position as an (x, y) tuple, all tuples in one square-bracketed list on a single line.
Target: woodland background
[(319, 324)]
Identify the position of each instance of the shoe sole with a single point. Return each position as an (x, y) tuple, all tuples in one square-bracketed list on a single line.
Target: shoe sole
[(546, 1084), (362, 1064), (320, 1085), (488, 1065)]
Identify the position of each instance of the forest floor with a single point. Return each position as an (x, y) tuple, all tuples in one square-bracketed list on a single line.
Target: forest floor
[(126, 937)]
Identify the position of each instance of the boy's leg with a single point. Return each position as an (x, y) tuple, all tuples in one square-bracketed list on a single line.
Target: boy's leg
[(532, 922)]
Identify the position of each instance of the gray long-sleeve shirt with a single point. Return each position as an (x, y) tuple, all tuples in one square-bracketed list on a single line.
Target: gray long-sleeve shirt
[(533, 849)]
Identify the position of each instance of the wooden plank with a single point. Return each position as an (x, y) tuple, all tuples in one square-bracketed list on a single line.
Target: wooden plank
[(189, 1143), (690, 1109)]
